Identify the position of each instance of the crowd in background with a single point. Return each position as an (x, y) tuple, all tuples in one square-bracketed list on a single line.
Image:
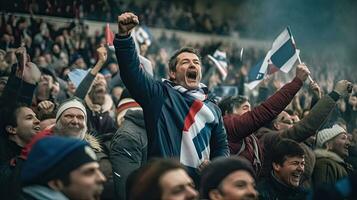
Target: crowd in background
[(161, 14), (58, 50)]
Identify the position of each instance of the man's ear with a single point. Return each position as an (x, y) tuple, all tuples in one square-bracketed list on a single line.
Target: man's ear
[(172, 75), (328, 145), (215, 195), (276, 167), (276, 125), (56, 185), (11, 130)]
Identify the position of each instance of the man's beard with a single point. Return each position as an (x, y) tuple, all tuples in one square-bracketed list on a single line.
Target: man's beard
[(70, 131)]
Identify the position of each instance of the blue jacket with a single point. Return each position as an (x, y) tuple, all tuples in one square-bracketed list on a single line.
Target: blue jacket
[(177, 124)]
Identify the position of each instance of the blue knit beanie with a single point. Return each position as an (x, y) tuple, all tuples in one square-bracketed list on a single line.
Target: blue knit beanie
[(54, 157)]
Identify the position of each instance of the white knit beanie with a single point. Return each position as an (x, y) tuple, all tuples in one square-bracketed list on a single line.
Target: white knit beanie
[(71, 103), (327, 134)]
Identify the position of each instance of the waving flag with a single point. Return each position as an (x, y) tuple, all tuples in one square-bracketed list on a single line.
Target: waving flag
[(109, 36), (141, 36), (258, 72), (220, 61), (77, 75), (282, 56), (283, 51)]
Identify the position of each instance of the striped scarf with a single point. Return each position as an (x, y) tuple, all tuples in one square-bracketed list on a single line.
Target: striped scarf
[(200, 93)]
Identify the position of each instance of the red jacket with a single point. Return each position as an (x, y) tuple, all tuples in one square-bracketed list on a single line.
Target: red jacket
[(240, 127), (26, 150)]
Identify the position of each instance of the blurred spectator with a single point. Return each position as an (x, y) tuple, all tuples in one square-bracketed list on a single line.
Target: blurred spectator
[(68, 171), (221, 177), (333, 144), (162, 179)]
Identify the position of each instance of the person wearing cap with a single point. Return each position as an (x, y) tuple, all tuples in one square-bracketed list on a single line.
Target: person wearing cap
[(71, 121), (182, 120), (128, 149), (299, 131), (284, 181), (61, 168), (164, 179), (228, 178), (332, 150)]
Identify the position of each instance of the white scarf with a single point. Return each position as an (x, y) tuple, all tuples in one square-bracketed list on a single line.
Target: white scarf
[(200, 93)]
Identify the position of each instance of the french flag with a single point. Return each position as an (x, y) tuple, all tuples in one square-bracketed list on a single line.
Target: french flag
[(281, 57), (220, 61)]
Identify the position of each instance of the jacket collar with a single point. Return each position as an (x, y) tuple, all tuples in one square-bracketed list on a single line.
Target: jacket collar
[(323, 153), (282, 186), (108, 104), (43, 193)]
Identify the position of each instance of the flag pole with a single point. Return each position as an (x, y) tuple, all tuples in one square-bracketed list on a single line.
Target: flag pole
[(309, 77), (298, 55)]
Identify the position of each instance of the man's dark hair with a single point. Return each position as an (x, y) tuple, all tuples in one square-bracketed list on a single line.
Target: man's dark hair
[(147, 180), (9, 115), (173, 58), (286, 148), (227, 104)]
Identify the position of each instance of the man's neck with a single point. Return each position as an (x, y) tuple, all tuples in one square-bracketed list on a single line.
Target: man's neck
[(17, 140)]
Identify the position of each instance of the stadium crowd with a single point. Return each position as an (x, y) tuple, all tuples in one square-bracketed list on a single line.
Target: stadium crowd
[(82, 121)]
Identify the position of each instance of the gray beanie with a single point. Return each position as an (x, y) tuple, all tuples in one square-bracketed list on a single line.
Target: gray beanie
[(327, 134), (71, 103)]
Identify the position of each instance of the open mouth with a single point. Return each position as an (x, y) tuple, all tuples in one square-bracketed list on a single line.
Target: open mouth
[(37, 128), (296, 175), (191, 75)]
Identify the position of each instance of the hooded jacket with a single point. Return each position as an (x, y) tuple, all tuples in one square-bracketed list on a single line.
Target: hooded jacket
[(329, 168)]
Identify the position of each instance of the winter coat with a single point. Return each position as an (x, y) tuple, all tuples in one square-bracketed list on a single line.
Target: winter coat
[(128, 150), (178, 124), (98, 117), (270, 188), (329, 168), (299, 132), (240, 127), (39, 192), (102, 157), (15, 92)]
